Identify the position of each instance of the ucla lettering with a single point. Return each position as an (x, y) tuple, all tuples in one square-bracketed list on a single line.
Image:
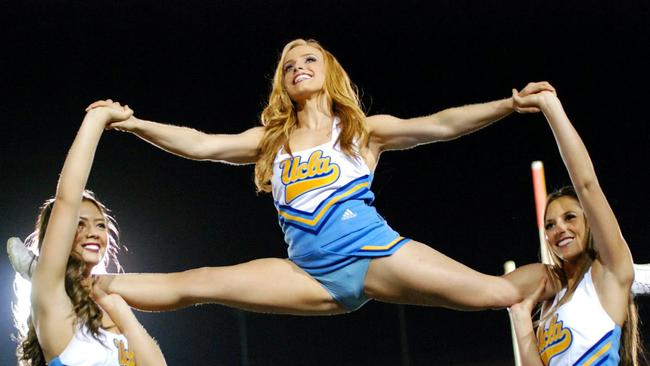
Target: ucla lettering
[(126, 357), (301, 177), (553, 340)]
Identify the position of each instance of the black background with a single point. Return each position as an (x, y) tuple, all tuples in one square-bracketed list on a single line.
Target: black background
[(208, 64)]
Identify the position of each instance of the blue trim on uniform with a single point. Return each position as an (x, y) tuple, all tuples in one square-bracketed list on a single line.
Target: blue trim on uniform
[(602, 362), (611, 356), (55, 362), (323, 219)]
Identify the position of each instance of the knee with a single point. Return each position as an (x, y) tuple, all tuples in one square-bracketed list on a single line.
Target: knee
[(196, 275), (194, 283)]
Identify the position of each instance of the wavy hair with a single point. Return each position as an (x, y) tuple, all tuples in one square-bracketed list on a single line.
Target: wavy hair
[(86, 311), (631, 351), (279, 117)]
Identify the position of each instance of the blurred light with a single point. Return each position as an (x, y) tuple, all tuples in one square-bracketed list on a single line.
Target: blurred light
[(22, 304)]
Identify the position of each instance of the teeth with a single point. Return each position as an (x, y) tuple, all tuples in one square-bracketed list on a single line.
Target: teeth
[(94, 247), (301, 78), (564, 242)]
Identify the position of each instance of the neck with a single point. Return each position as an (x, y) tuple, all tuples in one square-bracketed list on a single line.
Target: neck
[(572, 269), (314, 113)]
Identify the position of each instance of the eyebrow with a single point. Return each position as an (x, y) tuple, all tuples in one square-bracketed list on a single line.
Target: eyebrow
[(564, 213), (84, 218)]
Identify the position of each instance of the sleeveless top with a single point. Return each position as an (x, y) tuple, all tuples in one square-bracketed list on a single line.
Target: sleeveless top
[(84, 350), (323, 199), (580, 332)]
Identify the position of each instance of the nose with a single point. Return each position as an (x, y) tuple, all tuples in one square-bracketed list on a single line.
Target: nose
[(561, 226), (92, 232)]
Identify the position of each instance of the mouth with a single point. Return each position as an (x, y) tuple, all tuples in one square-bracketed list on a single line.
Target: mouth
[(300, 78), (92, 247), (564, 241)]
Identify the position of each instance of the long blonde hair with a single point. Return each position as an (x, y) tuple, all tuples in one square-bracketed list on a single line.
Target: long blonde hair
[(86, 311), (280, 115), (631, 351)]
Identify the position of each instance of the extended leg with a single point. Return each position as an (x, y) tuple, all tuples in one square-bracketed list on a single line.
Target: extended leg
[(418, 274), (264, 285)]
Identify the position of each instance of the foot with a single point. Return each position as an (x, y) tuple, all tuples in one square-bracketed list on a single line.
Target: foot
[(641, 284), (21, 258)]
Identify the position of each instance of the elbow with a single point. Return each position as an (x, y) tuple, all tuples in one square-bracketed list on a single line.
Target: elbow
[(199, 148), (627, 276), (442, 132)]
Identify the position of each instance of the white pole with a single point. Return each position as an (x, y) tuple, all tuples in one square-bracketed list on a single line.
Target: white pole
[(508, 267)]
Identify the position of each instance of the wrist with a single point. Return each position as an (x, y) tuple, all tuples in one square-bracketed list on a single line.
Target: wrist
[(549, 101), (138, 125), (518, 312), (507, 105), (95, 117)]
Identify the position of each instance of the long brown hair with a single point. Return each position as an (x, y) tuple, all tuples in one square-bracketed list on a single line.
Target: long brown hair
[(631, 351), (86, 311), (280, 117)]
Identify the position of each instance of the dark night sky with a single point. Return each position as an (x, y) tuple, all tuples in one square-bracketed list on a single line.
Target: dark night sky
[(207, 65)]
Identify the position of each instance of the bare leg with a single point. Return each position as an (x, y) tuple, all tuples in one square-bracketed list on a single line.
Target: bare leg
[(264, 285), (418, 274)]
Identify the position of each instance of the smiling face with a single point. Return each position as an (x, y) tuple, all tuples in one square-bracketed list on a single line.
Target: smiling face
[(303, 70), (92, 234), (566, 228)]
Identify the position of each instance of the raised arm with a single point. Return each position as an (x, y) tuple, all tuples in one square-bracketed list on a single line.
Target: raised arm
[(49, 273), (614, 254), (392, 133), (192, 144)]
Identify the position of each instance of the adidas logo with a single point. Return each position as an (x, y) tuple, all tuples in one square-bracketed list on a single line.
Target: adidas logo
[(348, 214)]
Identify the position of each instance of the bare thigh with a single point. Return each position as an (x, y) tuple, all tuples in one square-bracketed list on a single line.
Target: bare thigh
[(420, 275), (271, 285)]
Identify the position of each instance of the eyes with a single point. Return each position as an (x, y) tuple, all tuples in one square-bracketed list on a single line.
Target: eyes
[(83, 224), (291, 66), (567, 217)]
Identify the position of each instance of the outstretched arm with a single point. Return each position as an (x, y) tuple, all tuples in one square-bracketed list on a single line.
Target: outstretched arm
[(392, 133), (614, 254), (144, 347), (192, 144)]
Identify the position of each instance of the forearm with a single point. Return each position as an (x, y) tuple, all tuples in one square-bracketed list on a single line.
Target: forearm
[(181, 141), (79, 160), (459, 121), (526, 339), (572, 149), (144, 347)]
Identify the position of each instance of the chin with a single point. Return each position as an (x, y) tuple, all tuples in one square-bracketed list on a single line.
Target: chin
[(92, 261)]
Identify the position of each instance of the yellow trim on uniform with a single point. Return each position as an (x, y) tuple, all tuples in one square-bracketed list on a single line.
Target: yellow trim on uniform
[(382, 247), (329, 204), (593, 358)]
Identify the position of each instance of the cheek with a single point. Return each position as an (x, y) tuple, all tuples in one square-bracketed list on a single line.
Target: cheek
[(287, 82), (105, 240)]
